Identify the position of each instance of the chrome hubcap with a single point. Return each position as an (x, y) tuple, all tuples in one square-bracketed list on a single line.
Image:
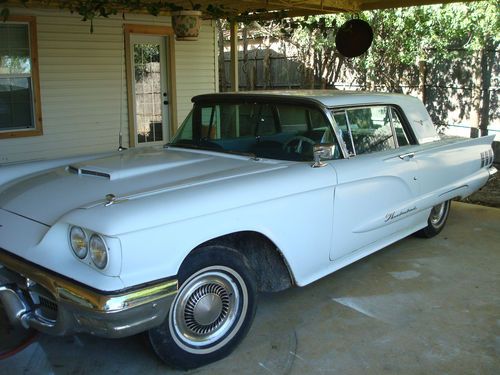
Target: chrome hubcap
[(437, 213), (207, 308)]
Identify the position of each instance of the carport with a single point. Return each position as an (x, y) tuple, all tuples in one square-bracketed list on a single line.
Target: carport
[(419, 306)]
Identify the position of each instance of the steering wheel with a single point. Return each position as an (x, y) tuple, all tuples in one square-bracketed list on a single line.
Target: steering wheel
[(296, 143)]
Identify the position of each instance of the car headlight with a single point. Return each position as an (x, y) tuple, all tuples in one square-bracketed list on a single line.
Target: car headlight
[(79, 242), (98, 251)]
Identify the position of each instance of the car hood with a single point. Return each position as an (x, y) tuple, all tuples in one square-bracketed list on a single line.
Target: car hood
[(131, 174)]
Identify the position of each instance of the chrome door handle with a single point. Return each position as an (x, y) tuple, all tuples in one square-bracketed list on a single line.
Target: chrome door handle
[(407, 156)]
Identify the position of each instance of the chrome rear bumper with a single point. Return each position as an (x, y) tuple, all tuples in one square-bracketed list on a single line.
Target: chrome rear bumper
[(492, 170), (53, 304)]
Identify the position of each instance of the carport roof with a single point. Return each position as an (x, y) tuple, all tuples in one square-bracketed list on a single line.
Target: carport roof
[(259, 8), (309, 7)]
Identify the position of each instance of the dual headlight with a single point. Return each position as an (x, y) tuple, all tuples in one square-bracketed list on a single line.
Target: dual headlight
[(81, 245)]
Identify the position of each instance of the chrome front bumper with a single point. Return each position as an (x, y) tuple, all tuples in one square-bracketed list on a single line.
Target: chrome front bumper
[(43, 300)]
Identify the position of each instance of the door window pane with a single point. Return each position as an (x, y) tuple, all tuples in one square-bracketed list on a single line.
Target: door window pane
[(148, 100), (371, 129), (341, 120), (398, 128)]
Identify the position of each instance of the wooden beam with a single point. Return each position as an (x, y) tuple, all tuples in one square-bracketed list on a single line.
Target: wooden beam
[(387, 4), (263, 9), (234, 56)]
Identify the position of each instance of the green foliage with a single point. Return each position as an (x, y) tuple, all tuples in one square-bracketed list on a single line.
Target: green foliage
[(402, 38), (454, 43), (89, 10), (406, 35)]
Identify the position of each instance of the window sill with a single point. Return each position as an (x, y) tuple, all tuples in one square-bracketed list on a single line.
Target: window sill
[(20, 133)]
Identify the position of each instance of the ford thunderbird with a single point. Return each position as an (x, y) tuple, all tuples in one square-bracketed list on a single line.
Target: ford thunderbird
[(256, 192)]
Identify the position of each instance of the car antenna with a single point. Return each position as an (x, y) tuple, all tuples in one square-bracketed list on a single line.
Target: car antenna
[(120, 147), (120, 135)]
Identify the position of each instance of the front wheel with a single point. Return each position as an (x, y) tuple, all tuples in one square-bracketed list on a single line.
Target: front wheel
[(437, 220), (212, 312)]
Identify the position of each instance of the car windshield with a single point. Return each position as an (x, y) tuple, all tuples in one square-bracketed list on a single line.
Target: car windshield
[(263, 130)]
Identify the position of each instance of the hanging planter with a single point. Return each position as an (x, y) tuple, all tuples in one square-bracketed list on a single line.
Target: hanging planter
[(354, 38), (186, 24)]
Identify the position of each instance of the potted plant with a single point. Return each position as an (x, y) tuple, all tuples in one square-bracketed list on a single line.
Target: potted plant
[(186, 23)]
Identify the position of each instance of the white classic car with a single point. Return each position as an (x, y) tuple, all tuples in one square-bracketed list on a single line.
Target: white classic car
[(256, 192)]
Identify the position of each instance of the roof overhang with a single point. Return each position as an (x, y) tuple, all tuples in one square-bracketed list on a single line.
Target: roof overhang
[(257, 8)]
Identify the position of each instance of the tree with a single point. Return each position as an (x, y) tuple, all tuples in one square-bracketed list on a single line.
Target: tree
[(407, 40)]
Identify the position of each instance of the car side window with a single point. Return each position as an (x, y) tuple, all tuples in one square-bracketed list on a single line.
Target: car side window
[(371, 129), (401, 135), (343, 125)]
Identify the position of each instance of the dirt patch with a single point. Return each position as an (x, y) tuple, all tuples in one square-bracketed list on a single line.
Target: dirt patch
[(489, 195)]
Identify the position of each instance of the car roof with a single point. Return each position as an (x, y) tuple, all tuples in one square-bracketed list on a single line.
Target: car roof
[(328, 98)]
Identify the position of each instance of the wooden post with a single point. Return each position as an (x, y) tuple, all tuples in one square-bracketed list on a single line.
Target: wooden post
[(422, 78), (487, 63), (222, 60), (234, 56), (477, 84)]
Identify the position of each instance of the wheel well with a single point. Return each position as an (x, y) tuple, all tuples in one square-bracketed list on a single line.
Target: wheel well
[(263, 255)]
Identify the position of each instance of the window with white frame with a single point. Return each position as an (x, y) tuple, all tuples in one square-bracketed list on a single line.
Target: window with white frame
[(20, 110)]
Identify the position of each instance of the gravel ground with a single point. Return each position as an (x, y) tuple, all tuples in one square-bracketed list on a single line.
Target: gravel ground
[(489, 195)]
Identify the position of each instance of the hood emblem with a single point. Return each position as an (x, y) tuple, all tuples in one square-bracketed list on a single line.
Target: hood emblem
[(110, 199)]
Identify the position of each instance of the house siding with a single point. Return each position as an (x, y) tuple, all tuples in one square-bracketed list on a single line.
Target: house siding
[(83, 83)]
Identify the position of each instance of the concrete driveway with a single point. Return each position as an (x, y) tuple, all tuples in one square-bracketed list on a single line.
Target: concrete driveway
[(417, 307)]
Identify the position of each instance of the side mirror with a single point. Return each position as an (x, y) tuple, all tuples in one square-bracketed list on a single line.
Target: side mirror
[(322, 151)]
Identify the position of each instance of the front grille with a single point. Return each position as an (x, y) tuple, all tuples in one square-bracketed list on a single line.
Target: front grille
[(48, 308), (48, 304), (39, 298)]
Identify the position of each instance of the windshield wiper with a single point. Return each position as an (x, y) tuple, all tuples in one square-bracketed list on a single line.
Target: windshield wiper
[(208, 148), (190, 145), (242, 153)]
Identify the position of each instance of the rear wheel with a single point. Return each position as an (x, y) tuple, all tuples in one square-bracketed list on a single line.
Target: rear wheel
[(212, 312), (437, 220)]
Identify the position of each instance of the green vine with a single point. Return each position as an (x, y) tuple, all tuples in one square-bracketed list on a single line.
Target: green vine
[(92, 9)]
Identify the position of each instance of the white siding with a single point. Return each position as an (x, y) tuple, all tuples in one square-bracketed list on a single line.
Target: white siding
[(83, 84)]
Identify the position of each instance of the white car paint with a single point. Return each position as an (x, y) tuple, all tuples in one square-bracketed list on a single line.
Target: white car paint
[(170, 200)]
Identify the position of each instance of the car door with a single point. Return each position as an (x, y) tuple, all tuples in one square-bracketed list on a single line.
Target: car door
[(377, 184)]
